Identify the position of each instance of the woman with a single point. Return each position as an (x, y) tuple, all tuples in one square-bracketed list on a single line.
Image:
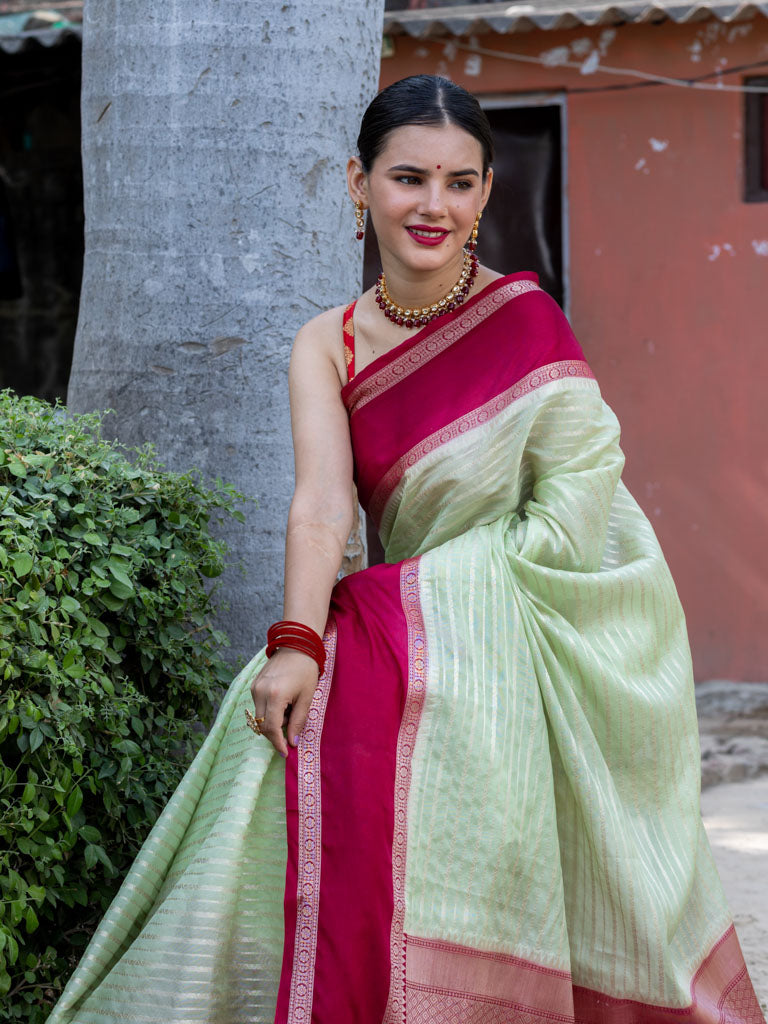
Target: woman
[(491, 775)]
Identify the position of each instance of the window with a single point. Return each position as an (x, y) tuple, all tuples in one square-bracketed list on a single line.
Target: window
[(756, 142)]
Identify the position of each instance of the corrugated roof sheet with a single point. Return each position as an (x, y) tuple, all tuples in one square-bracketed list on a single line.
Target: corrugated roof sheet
[(476, 19), (35, 27)]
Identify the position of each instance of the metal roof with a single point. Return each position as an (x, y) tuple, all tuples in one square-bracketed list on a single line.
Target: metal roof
[(42, 27), (526, 15)]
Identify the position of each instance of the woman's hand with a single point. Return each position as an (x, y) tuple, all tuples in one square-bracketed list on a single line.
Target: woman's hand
[(282, 693)]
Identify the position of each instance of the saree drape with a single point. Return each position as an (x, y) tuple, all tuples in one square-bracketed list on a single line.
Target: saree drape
[(492, 814)]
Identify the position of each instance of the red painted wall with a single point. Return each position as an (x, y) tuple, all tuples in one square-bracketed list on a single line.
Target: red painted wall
[(669, 293)]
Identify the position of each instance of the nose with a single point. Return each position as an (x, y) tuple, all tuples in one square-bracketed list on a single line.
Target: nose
[(432, 199)]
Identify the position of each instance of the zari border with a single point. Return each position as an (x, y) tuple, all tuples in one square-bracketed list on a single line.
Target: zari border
[(420, 354), (565, 368), (414, 702), (446, 982), (310, 818)]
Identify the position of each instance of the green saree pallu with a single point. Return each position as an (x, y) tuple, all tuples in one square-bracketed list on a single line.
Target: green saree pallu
[(492, 814)]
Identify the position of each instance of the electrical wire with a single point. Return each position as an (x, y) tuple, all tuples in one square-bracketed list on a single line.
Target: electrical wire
[(649, 77)]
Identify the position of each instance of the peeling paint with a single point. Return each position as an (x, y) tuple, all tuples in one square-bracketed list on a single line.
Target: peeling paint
[(607, 36), (716, 250), (591, 64), (598, 252), (421, 52), (760, 246), (640, 164), (450, 50), (557, 55), (473, 65), (581, 47), (695, 50), (658, 145)]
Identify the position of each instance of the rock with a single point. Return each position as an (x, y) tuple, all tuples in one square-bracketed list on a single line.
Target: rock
[(733, 729)]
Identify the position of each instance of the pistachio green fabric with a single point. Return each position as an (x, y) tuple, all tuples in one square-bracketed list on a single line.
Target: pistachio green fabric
[(553, 809)]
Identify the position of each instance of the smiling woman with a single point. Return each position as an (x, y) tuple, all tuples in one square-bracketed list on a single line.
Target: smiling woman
[(491, 776)]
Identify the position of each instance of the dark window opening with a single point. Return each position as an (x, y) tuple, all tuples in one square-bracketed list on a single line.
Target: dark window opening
[(41, 216), (756, 142)]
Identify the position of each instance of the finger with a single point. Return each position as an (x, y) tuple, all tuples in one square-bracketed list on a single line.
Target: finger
[(272, 726), (298, 717)]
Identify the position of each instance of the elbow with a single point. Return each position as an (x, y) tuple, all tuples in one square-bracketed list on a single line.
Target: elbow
[(328, 514)]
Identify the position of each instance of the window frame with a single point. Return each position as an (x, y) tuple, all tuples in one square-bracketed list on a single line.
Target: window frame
[(756, 142)]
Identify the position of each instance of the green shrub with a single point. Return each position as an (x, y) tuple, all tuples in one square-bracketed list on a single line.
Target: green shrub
[(108, 666)]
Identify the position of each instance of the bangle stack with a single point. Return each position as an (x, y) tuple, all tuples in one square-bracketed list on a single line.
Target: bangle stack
[(298, 637)]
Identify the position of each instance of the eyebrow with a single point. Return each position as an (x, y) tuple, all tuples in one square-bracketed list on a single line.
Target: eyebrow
[(421, 170)]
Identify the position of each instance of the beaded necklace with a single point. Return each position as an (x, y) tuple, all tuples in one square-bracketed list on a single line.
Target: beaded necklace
[(420, 317)]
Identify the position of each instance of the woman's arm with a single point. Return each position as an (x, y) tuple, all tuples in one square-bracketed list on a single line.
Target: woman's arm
[(319, 521)]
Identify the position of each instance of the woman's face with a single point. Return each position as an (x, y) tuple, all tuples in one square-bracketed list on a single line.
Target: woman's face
[(423, 192)]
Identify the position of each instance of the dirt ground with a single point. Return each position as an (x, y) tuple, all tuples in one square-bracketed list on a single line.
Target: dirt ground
[(736, 819)]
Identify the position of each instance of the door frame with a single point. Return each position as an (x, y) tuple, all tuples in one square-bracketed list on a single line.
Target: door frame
[(558, 98)]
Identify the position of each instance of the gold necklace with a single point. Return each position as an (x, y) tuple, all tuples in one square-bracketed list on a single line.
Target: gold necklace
[(420, 317)]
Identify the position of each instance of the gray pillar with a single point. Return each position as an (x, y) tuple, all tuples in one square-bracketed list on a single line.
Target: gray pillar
[(215, 136)]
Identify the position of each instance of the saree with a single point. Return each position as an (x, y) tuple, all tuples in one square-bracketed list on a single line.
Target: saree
[(492, 814)]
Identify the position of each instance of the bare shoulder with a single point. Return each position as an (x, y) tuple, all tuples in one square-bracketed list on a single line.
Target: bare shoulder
[(319, 342)]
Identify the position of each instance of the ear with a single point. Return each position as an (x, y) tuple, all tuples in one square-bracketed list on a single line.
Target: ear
[(357, 181), (486, 190)]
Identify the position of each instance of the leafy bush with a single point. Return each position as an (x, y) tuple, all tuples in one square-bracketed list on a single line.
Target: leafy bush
[(108, 665)]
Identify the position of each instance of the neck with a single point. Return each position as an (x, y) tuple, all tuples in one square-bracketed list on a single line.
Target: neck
[(416, 288)]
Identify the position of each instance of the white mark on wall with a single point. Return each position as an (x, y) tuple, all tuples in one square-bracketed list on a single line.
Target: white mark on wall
[(651, 486), (642, 165), (450, 50), (581, 47), (442, 69), (695, 50), (473, 65), (598, 252), (760, 245), (658, 145), (650, 347), (591, 64), (606, 38), (715, 251), (557, 55), (739, 31), (421, 52)]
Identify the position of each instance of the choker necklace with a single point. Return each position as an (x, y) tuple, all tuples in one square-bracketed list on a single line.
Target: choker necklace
[(420, 317)]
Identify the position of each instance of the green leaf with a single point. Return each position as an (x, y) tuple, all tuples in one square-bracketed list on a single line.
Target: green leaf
[(35, 739), (29, 793), (31, 919), (98, 627), (69, 604), (120, 590), (74, 801), (90, 834), (22, 564)]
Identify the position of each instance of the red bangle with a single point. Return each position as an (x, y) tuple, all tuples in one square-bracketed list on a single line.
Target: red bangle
[(298, 637)]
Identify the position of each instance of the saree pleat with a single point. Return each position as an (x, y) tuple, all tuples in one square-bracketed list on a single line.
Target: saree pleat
[(492, 814)]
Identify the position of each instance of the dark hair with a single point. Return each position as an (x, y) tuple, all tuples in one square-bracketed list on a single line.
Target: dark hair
[(422, 99)]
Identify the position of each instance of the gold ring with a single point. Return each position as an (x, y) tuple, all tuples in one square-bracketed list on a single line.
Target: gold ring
[(253, 723)]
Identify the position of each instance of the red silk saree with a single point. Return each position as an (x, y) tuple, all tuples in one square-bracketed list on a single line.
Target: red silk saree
[(492, 814)]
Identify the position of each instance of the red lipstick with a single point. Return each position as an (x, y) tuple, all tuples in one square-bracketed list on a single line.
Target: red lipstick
[(435, 237)]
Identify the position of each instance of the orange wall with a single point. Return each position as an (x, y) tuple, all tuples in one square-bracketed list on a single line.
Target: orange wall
[(669, 295)]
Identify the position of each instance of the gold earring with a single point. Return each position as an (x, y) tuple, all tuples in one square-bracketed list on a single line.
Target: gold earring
[(472, 245), (360, 220)]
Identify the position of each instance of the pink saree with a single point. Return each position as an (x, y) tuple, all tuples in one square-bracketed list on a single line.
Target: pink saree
[(492, 814)]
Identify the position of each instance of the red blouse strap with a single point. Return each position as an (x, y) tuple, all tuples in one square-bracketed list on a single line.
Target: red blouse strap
[(349, 340)]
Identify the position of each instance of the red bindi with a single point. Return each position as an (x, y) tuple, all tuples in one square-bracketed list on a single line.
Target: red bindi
[(438, 167)]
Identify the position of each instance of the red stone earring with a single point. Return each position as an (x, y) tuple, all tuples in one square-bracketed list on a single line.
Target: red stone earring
[(360, 219), (472, 244)]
